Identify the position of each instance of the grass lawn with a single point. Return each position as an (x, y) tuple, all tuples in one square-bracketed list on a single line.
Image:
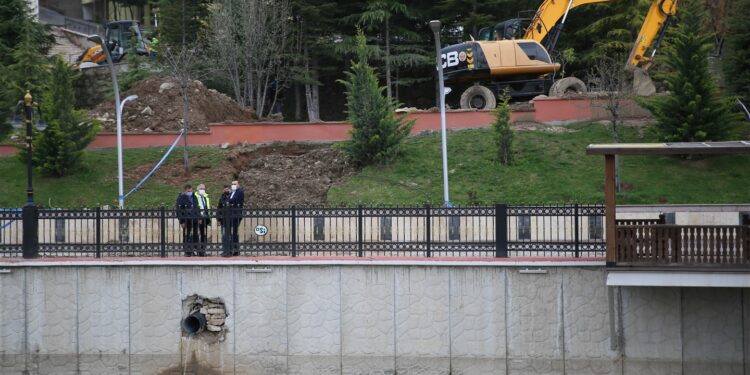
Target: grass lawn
[(548, 168), (96, 183)]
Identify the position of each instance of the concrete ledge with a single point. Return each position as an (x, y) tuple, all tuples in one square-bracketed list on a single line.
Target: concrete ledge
[(675, 278), (320, 261)]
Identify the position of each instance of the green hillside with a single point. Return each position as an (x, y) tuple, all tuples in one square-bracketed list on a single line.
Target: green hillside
[(550, 167)]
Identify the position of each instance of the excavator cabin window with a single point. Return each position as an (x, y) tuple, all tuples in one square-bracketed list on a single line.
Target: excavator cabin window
[(535, 52)]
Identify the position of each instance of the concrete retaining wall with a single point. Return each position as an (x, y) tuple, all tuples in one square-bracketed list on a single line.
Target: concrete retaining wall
[(365, 319)]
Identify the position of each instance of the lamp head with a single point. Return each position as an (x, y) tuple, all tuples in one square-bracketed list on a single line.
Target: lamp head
[(41, 125), (15, 121), (435, 26)]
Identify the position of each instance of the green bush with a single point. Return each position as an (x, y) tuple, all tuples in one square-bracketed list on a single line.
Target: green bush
[(376, 131)]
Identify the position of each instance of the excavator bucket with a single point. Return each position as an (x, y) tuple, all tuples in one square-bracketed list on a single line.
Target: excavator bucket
[(642, 83)]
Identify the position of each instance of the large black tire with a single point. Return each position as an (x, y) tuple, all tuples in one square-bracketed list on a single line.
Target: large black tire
[(478, 97), (567, 85)]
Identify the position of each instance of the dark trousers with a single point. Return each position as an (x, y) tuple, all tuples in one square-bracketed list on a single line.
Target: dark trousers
[(189, 236), (201, 237), (235, 236)]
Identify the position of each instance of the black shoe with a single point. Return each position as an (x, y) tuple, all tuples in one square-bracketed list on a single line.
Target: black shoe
[(188, 254), (236, 253)]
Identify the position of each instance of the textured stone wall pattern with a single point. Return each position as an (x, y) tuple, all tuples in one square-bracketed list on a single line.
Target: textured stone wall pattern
[(366, 320)]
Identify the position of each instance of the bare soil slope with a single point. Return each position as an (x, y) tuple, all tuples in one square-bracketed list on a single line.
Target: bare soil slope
[(286, 174)]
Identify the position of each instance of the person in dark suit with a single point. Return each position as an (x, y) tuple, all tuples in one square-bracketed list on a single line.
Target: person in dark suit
[(220, 215), (236, 202), (186, 209)]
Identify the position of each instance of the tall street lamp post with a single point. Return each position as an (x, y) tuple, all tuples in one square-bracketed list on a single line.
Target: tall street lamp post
[(30, 211), (435, 25), (118, 114)]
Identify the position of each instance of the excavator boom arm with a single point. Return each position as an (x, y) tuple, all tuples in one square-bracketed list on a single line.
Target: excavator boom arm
[(552, 11), (655, 24), (549, 14)]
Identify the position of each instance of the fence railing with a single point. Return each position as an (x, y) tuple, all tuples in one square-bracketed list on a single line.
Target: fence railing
[(683, 244), (488, 231)]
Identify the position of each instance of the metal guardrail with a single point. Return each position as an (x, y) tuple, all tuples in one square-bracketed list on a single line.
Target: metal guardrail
[(83, 27), (487, 231)]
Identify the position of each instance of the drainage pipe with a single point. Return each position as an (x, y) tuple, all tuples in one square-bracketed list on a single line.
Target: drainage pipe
[(194, 323)]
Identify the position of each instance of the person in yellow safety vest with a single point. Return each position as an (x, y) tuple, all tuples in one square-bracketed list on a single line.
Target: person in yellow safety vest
[(153, 47), (204, 217)]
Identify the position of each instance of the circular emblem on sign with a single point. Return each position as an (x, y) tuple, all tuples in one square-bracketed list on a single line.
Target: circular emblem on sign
[(462, 56), (261, 230)]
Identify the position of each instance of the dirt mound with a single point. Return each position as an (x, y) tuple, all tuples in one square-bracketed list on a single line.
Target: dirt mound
[(286, 174), (159, 108)]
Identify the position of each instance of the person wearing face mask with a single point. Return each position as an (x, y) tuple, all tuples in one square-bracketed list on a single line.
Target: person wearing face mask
[(187, 214), (236, 202), (204, 217)]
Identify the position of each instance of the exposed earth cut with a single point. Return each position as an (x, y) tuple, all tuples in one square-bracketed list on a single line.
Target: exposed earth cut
[(278, 174)]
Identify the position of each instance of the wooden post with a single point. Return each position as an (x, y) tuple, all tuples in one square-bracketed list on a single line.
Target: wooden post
[(610, 208)]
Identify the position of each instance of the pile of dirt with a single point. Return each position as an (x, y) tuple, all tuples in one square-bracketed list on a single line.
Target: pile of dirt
[(286, 174), (159, 108)]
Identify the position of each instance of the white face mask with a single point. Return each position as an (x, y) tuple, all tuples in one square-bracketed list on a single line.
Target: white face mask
[(234, 187), (202, 192)]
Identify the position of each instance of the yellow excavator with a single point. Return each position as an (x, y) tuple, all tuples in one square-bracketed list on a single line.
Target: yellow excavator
[(497, 61), (118, 36)]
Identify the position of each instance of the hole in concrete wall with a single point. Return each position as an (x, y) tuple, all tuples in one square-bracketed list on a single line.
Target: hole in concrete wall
[(204, 318)]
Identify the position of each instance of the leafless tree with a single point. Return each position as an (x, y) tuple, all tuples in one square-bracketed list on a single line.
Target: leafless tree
[(183, 63), (609, 79), (250, 41)]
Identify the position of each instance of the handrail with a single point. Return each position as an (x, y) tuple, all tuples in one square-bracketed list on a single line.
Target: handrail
[(665, 244)]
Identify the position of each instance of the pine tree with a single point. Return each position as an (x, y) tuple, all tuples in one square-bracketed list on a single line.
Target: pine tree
[(376, 131), (182, 21), (693, 111), (736, 60), (614, 32), (502, 130), (23, 65), (58, 150)]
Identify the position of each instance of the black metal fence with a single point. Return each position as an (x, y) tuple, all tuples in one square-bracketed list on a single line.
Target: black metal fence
[(490, 231)]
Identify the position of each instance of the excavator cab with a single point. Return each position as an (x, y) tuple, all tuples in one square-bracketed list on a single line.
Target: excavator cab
[(509, 29), (118, 37)]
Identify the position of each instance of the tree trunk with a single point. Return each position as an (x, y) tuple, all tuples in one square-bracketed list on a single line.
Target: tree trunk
[(311, 92), (616, 138), (297, 102), (312, 100), (388, 58)]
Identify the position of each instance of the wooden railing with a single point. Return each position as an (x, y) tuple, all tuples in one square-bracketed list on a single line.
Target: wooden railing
[(683, 245)]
